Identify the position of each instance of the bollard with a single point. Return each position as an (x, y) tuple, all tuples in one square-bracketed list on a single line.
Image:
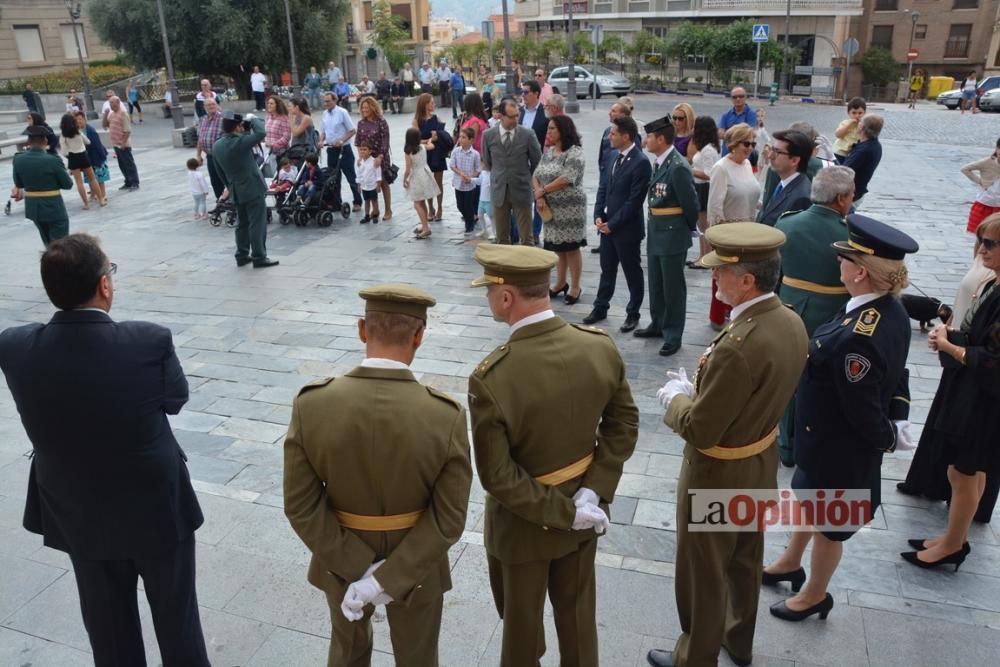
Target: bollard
[(773, 96)]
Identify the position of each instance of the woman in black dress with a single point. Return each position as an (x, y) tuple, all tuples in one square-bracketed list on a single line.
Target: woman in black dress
[(963, 415), (433, 130), (846, 412)]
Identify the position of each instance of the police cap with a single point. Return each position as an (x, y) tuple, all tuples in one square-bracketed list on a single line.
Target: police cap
[(740, 242), (868, 236), (513, 265), (393, 298), (657, 125), (229, 114)]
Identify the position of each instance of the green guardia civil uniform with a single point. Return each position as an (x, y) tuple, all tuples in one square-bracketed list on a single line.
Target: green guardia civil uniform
[(377, 467), (232, 155), (743, 382), (810, 284), (42, 176), (552, 413), (673, 215)]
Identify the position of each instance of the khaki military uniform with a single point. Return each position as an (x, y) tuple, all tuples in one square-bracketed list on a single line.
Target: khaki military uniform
[(377, 446), (42, 176), (576, 405)]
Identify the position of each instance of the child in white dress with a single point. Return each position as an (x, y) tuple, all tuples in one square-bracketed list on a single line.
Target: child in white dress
[(418, 181)]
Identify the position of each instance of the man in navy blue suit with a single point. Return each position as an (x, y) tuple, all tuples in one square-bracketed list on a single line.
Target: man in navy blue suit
[(108, 482), (620, 221), (604, 147)]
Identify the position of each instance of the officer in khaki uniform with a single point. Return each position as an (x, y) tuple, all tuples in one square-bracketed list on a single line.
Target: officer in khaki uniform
[(377, 477), (673, 215), (38, 178), (728, 417), (553, 422)]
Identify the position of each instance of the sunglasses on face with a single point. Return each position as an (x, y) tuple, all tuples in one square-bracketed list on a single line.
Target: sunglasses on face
[(748, 144), (989, 244), (739, 97), (684, 118)]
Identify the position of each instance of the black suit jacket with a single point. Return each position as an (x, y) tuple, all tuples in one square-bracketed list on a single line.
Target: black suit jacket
[(796, 197), (108, 480), (620, 196), (539, 126)]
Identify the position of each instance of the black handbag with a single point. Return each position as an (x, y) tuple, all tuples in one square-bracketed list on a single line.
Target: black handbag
[(391, 174)]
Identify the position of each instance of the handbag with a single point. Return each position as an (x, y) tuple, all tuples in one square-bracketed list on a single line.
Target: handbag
[(545, 213), (391, 174)]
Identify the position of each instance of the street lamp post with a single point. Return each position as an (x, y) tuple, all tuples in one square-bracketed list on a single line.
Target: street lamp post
[(508, 65), (176, 112), (291, 46), (784, 66), (914, 15), (572, 105), (74, 9)]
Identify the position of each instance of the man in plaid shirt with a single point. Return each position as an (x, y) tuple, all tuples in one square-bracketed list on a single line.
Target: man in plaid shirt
[(209, 130)]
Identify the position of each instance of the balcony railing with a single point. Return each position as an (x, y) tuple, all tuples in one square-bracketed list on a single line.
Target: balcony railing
[(749, 6)]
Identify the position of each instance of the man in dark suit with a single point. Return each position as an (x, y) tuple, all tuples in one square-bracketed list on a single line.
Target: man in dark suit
[(532, 114), (790, 155), (108, 482), (511, 153), (604, 148), (620, 220)]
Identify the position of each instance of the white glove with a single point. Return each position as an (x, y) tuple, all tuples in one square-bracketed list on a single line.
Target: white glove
[(585, 496), (249, 116), (591, 516), (382, 598), (904, 439), (678, 383), (362, 592)]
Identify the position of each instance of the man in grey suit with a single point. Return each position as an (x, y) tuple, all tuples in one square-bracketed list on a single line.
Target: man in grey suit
[(790, 155), (511, 153)]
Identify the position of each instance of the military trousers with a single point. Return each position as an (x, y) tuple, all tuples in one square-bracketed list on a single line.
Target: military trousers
[(52, 230), (519, 593), (413, 632), (667, 294), (786, 434), (717, 580), (251, 229)]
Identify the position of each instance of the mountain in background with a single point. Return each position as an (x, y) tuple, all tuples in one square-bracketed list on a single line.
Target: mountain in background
[(470, 12)]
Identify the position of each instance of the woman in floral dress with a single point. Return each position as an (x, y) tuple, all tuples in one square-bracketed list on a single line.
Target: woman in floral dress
[(374, 130)]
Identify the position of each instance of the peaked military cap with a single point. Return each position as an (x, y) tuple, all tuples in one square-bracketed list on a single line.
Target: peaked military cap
[(738, 242), (868, 236), (229, 114), (657, 125), (513, 265), (393, 298)]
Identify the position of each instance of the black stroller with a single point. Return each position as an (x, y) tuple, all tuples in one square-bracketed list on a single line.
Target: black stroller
[(318, 207)]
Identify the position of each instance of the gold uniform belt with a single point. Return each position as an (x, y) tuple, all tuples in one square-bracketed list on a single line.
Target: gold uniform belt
[(42, 193), (815, 288), (673, 210), (743, 452), (572, 471), (379, 523)]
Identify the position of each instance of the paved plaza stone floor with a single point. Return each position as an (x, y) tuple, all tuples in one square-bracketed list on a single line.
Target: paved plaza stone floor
[(249, 339)]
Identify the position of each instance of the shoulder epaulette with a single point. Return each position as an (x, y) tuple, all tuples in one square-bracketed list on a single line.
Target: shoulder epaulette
[(590, 329), (322, 382), (437, 393), (867, 322), (739, 330), (491, 359)]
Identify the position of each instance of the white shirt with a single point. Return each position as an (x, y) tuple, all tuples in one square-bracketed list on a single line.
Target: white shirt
[(661, 158), (484, 186), (704, 160), (198, 182), (860, 300), (740, 309), (289, 175), (379, 362), (367, 86), (529, 117), (105, 108), (336, 123), (257, 82), (368, 174), (786, 181), (531, 319)]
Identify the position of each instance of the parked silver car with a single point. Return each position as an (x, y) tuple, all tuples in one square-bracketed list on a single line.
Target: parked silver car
[(590, 81)]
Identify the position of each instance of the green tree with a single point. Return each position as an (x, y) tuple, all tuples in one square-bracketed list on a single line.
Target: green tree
[(554, 44), (223, 36), (612, 49), (388, 34), (583, 48), (522, 49), (878, 66), (643, 44), (688, 39)]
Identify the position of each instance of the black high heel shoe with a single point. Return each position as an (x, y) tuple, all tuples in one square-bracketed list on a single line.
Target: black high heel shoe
[(570, 299), (823, 608), (796, 578), (919, 546), (955, 559), (562, 290)]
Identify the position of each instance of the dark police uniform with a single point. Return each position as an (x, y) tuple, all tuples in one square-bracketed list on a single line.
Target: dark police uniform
[(855, 384), (41, 176), (673, 215)]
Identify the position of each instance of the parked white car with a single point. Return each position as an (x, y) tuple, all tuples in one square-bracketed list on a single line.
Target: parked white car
[(590, 81)]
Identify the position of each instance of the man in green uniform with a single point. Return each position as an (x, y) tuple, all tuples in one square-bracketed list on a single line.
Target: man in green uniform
[(811, 282), (673, 215), (728, 417), (553, 422), (234, 160), (377, 477), (38, 178)]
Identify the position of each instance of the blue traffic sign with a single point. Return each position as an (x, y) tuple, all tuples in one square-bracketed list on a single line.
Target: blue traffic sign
[(761, 32)]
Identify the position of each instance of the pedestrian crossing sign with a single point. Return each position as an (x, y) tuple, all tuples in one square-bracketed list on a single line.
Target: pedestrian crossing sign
[(761, 32)]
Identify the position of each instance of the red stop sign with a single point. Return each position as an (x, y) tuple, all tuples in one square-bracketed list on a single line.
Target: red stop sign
[(912, 54)]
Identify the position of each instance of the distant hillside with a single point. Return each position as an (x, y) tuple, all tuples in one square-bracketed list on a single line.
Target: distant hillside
[(470, 12)]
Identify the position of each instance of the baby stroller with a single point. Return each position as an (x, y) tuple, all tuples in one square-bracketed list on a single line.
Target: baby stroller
[(319, 207)]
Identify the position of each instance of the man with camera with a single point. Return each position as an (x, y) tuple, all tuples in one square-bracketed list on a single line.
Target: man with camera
[(233, 154)]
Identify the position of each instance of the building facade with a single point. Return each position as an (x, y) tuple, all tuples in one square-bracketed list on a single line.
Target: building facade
[(36, 37), (416, 20)]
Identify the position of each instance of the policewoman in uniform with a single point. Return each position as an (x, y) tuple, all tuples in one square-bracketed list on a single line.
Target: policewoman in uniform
[(851, 404), (810, 283), (38, 178), (376, 484), (553, 422), (673, 215), (728, 418)]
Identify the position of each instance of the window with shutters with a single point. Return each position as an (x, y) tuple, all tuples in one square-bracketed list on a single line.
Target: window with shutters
[(69, 42), (29, 44), (959, 37), (882, 36)]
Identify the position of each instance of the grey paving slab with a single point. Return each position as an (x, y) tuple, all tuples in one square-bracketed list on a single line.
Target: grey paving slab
[(24, 649), (288, 648), (279, 595), (911, 640), (23, 580)]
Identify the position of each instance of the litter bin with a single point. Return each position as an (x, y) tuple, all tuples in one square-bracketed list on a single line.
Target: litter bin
[(939, 84)]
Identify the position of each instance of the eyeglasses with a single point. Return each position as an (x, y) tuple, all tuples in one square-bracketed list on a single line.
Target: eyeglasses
[(684, 118), (525, 91), (539, 76), (112, 269), (776, 151), (989, 244), (739, 97), (748, 144)]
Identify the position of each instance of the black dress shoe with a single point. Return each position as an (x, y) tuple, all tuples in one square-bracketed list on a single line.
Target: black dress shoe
[(669, 349), (553, 293), (659, 658), (955, 559), (919, 546), (648, 332), (738, 661), (570, 299), (595, 250), (243, 261), (631, 322), (822, 608), (795, 577), (264, 263), (595, 316), (907, 490)]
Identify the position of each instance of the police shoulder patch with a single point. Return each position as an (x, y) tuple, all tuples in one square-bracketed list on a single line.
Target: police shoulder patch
[(492, 359), (856, 367), (590, 329), (322, 382), (867, 322), (437, 393)]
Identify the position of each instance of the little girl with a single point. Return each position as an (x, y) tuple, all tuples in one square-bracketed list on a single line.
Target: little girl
[(200, 187), (284, 179), (486, 205), (73, 144), (418, 181)]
